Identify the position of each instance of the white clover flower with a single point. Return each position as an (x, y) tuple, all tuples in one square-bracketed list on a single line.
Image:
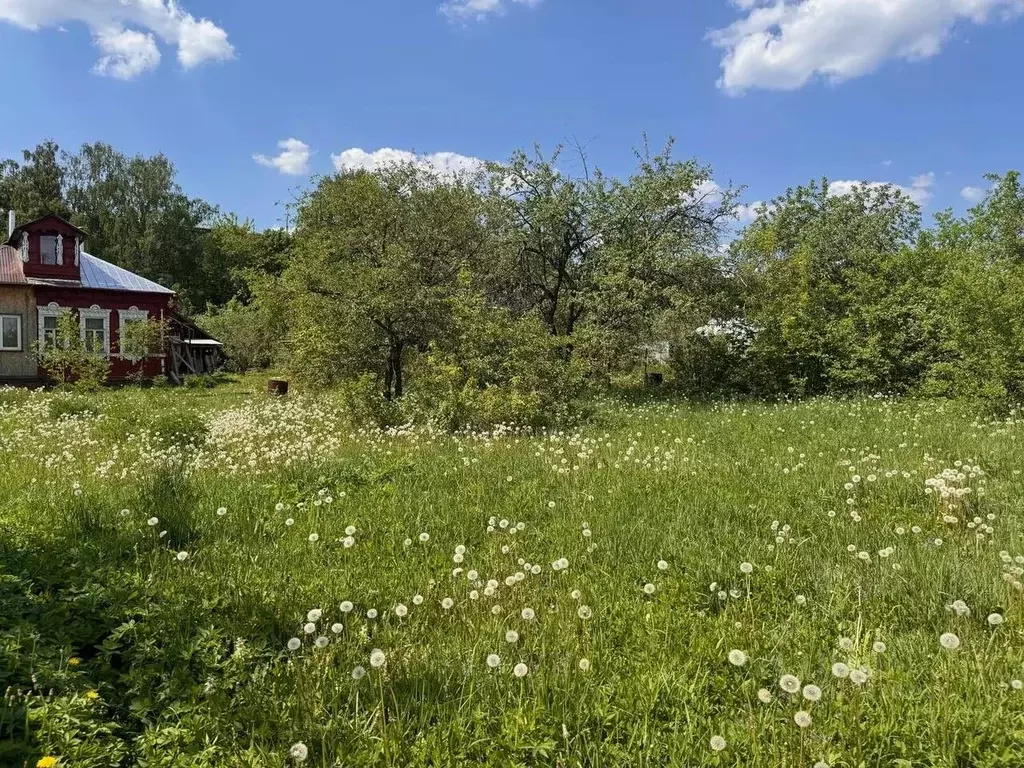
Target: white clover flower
[(358, 672), (521, 670), (337, 628), (494, 661), (511, 636), (401, 611), (649, 588), (377, 658), (764, 696), (949, 641), (737, 657), (812, 693), (746, 568), (839, 669), (584, 665), (314, 614), (299, 752), (802, 718), (789, 683), (662, 565), (294, 644), (717, 743)]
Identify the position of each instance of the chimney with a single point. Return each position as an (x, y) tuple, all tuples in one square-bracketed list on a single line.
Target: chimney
[(10, 224)]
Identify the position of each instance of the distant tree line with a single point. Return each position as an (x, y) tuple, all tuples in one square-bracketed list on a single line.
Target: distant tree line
[(499, 295)]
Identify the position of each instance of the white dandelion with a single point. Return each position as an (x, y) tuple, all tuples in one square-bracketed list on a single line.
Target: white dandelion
[(995, 619), (802, 718), (649, 588), (839, 669), (494, 661), (401, 610), (747, 568), (737, 657), (584, 665), (528, 614), (812, 693), (447, 603), (321, 642), (314, 614), (314, 537), (584, 612), (521, 670), (346, 606), (358, 672), (717, 743), (377, 658), (789, 683), (858, 676), (764, 696), (294, 644), (511, 636), (299, 752), (949, 641), (337, 628)]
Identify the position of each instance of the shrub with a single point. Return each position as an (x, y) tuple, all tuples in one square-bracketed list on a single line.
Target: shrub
[(180, 428)]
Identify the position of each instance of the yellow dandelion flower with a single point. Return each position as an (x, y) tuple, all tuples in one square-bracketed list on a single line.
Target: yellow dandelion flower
[(47, 762), (74, 661), (91, 695)]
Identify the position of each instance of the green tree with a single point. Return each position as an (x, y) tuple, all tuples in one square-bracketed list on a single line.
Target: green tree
[(374, 260), (67, 359)]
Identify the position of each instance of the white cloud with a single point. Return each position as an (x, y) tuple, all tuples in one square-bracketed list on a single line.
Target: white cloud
[(126, 31), (973, 194), (478, 10), (919, 190), (293, 159), (126, 53), (784, 44), (445, 163)]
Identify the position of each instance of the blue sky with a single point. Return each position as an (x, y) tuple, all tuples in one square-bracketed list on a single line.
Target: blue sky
[(921, 93)]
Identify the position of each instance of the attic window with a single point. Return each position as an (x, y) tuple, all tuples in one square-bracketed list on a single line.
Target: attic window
[(49, 249)]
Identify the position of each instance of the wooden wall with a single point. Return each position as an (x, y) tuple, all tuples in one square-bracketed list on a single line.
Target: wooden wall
[(20, 300)]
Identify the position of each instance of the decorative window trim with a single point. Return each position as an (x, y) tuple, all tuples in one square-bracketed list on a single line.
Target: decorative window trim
[(79, 245), (96, 313), (60, 249), (53, 309), (127, 316), (24, 247), (21, 333)]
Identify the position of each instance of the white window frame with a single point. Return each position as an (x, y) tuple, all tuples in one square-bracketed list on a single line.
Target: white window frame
[(53, 309), (126, 316), (21, 338), (96, 313)]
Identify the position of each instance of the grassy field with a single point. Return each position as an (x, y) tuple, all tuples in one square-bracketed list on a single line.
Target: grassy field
[(217, 579)]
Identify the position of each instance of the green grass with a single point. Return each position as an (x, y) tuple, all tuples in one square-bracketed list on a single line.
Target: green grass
[(115, 652)]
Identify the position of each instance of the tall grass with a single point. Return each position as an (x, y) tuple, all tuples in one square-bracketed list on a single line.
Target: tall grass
[(152, 578)]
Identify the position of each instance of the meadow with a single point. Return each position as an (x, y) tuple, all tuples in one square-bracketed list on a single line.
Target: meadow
[(215, 578)]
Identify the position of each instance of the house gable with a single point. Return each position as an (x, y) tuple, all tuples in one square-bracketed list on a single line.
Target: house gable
[(50, 248)]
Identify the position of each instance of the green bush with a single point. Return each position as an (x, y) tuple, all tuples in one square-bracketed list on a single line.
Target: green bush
[(70, 406), (179, 428)]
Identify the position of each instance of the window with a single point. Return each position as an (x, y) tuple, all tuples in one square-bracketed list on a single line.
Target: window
[(96, 329), (48, 324), (10, 333), (125, 319), (95, 334), (48, 249)]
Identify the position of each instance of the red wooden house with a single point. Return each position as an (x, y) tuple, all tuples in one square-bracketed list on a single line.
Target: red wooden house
[(44, 271)]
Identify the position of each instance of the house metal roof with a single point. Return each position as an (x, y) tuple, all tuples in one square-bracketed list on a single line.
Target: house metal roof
[(10, 267), (96, 273), (102, 275)]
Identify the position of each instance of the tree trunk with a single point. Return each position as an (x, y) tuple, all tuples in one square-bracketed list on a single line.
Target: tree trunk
[(393, 375), (397, 350)]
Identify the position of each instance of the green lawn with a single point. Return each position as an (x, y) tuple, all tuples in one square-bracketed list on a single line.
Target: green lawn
[(159, 550)]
